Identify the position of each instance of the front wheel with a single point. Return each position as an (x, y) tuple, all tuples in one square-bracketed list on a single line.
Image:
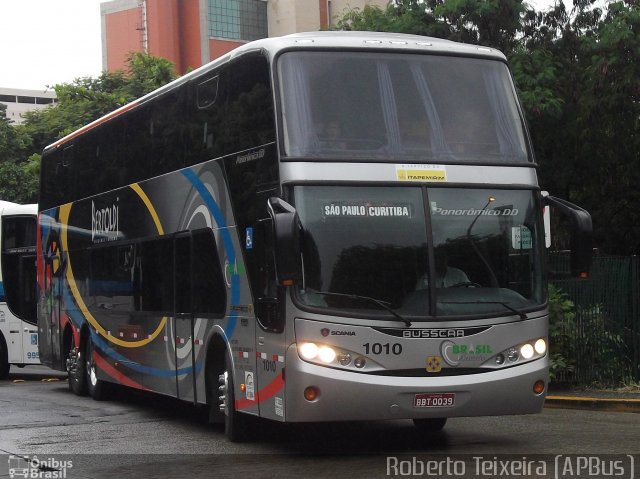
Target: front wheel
[(431, 424), (235, 423), (97, 387)]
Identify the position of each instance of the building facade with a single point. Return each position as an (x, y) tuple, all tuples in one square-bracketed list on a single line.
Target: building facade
[(191, 33), (19, 101)]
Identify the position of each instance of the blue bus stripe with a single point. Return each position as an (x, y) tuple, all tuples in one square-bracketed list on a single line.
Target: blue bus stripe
[(214, 209)]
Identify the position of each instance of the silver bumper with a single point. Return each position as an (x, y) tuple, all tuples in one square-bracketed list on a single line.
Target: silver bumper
[(348, 396)]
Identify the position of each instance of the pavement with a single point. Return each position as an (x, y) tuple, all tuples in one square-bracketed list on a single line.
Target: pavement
[(621, 400)]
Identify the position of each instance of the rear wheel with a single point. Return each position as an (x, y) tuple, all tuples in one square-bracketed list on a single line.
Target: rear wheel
[(75, 368), (97, 387), (4, 360), (431, 424), (235, 423)]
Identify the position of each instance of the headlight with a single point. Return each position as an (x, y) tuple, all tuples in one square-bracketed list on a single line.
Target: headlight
[(527, 351), (521, 353), (326, 354), (308, 351), (311, 351), (335, 356), (540, 346)]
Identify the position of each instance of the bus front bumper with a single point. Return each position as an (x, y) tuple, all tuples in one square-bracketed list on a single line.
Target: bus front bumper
[(351, 396)]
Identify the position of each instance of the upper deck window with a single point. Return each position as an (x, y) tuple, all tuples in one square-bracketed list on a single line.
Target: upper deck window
[(399, 107)]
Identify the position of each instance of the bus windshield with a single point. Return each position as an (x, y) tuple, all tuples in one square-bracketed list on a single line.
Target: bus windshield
[(420, 108), (470, 252)]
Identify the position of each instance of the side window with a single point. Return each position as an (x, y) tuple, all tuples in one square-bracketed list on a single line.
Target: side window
[(137, 139), (166, 131), (250, 118), (231, 110), (183, 264), (112, 277), (209, 288), (156, 275)]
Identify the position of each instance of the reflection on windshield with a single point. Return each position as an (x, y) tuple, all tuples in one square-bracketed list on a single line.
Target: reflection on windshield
[(413, 107), (372, 242)]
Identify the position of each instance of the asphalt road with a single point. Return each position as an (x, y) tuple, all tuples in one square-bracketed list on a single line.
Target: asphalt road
[(141, 435)]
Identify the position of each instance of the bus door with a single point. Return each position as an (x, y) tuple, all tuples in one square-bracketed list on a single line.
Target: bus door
[(183, 317), (28, 297), (19, 277)]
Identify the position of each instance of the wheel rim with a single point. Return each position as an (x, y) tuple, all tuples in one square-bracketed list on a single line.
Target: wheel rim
[(91, 367), (223, 379)]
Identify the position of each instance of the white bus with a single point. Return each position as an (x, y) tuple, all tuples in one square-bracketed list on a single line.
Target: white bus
[(319, 227), (18, 320)]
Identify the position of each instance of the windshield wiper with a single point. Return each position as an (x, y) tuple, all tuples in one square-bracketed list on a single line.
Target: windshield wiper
[(383, 304), (502, 303)]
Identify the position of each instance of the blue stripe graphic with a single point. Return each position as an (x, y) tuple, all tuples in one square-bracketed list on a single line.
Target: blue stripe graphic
[(214, 209)]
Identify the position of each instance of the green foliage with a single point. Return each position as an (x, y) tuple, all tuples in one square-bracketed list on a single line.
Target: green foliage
[(17, 184), (561, 334), (584, 338)]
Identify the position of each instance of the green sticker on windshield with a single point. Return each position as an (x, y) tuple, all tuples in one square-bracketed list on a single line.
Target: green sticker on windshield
[(521, 237)]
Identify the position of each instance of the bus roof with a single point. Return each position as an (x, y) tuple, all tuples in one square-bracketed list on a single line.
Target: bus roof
[(8, 208), (323, 40)]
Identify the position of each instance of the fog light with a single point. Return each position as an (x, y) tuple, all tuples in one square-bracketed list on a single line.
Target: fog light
[(344, 359), (500, 359), (308, 350), (527, 351), (512, 354), (326, 354), (359, 362), (540, 346), (311, 393), (538, 387)]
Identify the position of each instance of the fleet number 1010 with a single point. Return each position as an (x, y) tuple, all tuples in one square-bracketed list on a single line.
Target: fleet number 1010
[(382, 348)]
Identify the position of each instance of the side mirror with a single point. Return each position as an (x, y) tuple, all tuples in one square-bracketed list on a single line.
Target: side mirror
[(581, 234), (286, 238)]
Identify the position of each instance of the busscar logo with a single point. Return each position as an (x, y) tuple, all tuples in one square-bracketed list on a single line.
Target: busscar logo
[(434, 333)]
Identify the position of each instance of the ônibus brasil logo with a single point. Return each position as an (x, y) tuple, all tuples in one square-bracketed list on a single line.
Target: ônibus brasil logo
[(34, 468)]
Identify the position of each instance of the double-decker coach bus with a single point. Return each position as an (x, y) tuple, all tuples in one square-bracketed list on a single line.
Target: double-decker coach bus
[(18, 319), (318, 227)]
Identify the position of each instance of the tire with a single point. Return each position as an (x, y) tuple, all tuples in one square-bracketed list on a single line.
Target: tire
[(97, 388), (77, 376), (236, 425), (432, 424), (4, 359)]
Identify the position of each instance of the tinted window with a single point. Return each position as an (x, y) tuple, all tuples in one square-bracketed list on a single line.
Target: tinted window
[(19, 265), (156, 275), (209, 289)]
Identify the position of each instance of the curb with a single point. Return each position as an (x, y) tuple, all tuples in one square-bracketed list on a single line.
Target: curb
[(593, 403)]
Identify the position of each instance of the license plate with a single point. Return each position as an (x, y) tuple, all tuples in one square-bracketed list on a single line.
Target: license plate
[(434, 400)]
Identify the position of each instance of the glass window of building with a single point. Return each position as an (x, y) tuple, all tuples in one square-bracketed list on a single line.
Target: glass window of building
[(238, 19)]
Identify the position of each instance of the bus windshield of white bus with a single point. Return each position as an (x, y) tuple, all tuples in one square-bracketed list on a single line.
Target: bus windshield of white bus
[(404, 107), (470, 252)]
